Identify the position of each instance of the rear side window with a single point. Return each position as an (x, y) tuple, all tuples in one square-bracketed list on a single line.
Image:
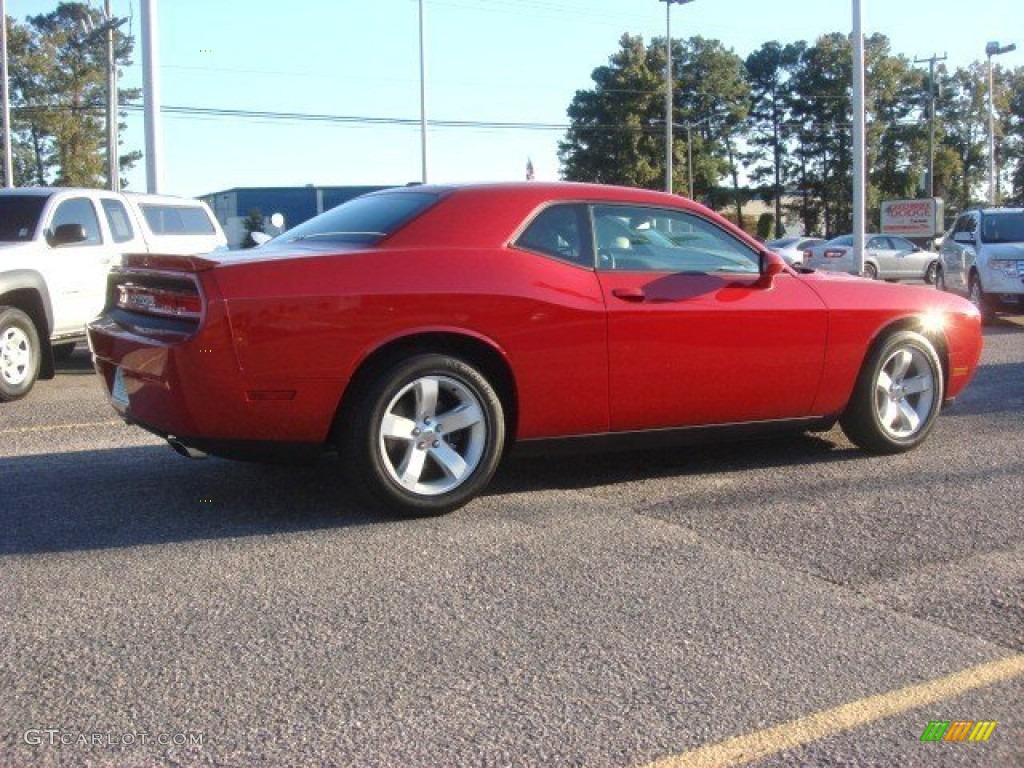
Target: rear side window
[(560, 231), (364, 219), (177, 219), (118, 221), (1003, 227)]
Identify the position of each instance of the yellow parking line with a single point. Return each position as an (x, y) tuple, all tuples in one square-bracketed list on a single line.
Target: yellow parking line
[(771, 741), (52, 427)]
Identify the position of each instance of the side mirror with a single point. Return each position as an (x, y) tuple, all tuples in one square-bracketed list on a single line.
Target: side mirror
[(771, 265), (68, 234)]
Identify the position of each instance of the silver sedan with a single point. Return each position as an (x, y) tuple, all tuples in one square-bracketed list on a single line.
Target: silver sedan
[(886, 257)]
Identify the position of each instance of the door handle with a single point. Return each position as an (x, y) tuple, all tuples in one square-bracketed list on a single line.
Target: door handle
[(629, 294)]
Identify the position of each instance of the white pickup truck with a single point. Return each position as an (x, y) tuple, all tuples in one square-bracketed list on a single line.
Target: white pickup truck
[(57, 245)]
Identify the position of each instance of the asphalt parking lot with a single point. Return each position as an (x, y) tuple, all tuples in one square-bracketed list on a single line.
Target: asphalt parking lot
[(785, 603)]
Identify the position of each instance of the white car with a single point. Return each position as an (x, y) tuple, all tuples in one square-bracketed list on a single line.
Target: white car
[(792, 248), (57, 245), (983, 259), (886, 257)]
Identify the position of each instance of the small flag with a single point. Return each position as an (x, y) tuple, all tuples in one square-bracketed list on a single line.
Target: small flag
[(529, 169)]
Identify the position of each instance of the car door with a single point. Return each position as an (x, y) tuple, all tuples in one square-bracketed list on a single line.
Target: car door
[(76, 271), (695, 336), (910, 260), (958, 253), (881, 250)]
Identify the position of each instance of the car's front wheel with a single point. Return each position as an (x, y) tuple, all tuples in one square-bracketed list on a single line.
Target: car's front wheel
[(940, 277), (897, 396), (931, 274), (19, 354), (425, 436)]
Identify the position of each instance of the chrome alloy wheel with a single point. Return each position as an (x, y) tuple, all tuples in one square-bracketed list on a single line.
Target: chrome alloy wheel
[(433, 435), (904, 392), (15, 356)]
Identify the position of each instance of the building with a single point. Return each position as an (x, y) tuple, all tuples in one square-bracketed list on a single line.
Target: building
[(295, 204)]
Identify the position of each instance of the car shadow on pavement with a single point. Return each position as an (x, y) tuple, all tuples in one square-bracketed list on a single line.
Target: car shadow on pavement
[(578, 472), (77, 364), (147, 495)]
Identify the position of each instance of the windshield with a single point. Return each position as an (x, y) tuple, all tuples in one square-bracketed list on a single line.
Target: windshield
[(365, 219), (1003, 227), (19, 217)]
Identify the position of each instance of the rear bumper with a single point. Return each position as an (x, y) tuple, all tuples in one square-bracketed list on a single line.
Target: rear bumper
[(193, 389)]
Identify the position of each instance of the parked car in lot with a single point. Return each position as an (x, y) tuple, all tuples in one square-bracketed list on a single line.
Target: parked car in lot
[(792, 249), (983, 258), (421, 332), (57, 245), (886, 257)]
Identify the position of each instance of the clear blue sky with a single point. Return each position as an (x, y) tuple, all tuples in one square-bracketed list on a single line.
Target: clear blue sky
[(491, 61)]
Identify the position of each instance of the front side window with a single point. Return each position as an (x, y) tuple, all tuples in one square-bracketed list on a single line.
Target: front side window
[(658, 240), (19, 217), (78, 210), (964, 224), (559, 231)]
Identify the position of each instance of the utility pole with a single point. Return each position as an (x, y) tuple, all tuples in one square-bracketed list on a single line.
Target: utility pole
[(931, 118), (668, 92), (8, 165), (151, 96)]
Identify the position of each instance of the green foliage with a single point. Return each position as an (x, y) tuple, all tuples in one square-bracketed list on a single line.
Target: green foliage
[(58, 80), (253, 223), (782, 120), (765, 226)]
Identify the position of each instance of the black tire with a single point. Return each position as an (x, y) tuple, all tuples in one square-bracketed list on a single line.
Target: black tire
[(897, 396), (442, 469), (870, 271), (980, 299), (19, 354), (931, 273), (62, 352)]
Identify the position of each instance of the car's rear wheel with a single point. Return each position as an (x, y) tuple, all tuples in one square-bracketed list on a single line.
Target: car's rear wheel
[(425, 435), (979, 299), (897, 396), (19, 354), (931, 274), (870, 271)]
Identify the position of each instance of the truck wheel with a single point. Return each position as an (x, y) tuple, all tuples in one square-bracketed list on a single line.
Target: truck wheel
[(19, 354), (978, 298)]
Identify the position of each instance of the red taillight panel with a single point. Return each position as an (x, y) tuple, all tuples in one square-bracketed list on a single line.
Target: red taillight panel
[(168, 301)]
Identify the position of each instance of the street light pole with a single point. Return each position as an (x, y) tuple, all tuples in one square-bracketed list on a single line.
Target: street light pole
[(8, 165), (423, 102), (993, 49), (668, 91)]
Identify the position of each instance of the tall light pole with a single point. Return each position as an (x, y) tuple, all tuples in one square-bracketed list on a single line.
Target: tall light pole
[(5, 84), (151, 96), (993, 49), (668, 91), (423, 101), (859, 160)]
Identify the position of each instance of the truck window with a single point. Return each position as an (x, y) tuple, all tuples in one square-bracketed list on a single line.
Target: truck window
[(78, 210), (19, 216), (177, 219), (118, 221)]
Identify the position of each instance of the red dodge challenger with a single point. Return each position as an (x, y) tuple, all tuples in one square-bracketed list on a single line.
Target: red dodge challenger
[(420, 332)]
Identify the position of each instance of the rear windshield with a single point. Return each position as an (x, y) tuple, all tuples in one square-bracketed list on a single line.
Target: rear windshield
[(176, 219), (365, 219), (842, 240), (1003, 227), (19, 216)]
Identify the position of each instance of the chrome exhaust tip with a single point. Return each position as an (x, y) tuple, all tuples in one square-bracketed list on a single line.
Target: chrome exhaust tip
[(184, 450)]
